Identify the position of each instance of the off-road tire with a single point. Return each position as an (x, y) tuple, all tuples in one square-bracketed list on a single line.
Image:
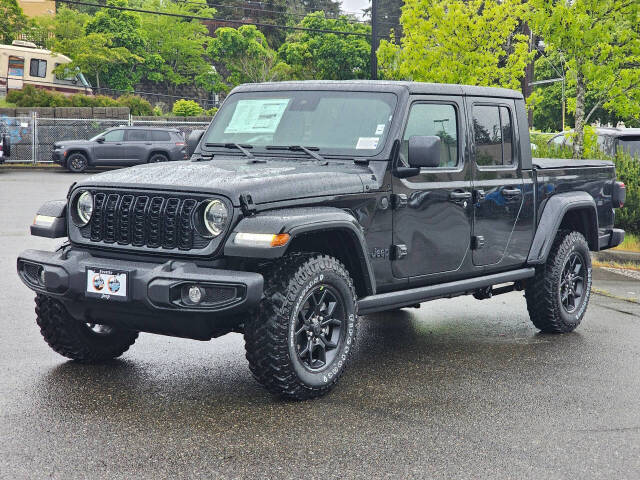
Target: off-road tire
[(269, 338), (74, 339), (77, 162), (158, 157), (543, 291)]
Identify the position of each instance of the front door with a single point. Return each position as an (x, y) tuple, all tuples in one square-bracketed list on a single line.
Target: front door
[(432, 210), (497, 180), (112, 150)]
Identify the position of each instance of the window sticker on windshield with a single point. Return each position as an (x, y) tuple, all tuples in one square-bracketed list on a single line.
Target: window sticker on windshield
[(257, 116), (380, 129), (367, 143)]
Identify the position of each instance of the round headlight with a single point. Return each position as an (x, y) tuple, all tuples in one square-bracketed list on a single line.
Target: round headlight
[(215, 217), (84, 207)]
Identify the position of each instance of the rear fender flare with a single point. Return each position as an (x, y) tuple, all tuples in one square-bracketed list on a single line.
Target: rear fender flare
[(551, 218)]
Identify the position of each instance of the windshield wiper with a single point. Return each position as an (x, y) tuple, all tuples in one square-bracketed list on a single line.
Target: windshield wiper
[(237, 146), (299, 148)]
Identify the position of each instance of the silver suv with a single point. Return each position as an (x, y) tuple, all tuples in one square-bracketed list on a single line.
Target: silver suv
[(121, 146)]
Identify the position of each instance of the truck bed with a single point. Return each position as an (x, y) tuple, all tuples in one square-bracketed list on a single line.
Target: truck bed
[(555, 163)]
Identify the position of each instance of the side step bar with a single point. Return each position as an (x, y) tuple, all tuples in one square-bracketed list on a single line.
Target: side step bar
[(405, 298)]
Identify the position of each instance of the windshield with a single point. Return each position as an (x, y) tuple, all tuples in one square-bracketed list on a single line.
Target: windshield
[(338, 123), (630, 145)]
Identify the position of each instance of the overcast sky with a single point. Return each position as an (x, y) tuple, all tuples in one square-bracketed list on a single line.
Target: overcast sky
[(354, 5)]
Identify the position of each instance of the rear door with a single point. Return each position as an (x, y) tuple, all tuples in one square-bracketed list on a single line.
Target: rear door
[(431, 217), (497, 180), (138, 142)]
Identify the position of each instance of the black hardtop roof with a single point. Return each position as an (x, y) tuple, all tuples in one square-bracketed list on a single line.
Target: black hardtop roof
[(382, 86)]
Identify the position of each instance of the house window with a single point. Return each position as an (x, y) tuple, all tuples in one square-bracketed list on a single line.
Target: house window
[(16, 66), (38, 68)]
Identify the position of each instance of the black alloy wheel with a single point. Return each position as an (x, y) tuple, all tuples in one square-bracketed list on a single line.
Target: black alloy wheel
[(574, 278), (319, 328), (77, 162)]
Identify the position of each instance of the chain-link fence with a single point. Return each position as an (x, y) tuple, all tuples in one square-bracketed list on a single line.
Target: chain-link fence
[(32, 137), (21, 131)]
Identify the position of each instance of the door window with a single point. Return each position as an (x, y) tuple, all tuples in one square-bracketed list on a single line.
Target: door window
[(38, 68), (137, 136), (433, 119), (16, 66), (493, 134), (114, 136)]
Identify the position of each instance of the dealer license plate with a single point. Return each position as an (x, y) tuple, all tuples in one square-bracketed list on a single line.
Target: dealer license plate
[(107, 284)]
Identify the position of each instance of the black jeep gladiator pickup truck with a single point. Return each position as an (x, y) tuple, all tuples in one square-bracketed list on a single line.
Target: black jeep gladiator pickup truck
[(306, 204)]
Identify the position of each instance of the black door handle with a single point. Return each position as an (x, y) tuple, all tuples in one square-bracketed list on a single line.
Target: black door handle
[(511, 192), (460, 195)]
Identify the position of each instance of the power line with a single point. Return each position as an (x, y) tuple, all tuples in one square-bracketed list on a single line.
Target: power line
[(221, 20)]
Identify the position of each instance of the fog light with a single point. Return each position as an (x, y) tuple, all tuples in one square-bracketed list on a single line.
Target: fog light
[(42, 277), (195, 294)]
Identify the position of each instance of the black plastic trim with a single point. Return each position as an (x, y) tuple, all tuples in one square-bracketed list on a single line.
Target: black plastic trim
[(552, 215)]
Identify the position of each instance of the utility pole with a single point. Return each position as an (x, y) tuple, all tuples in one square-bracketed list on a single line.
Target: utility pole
[(374, 39)]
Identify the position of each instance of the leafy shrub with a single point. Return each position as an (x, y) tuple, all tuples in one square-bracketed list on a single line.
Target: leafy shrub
[(137, 105), (211, 112), (187, 108), (30, 96)]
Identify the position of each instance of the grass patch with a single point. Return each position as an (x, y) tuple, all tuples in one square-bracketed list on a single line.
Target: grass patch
[(5, 104), (631, 243), (623, 265)]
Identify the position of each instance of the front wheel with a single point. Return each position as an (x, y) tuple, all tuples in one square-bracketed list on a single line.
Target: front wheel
[(83, 342), (558, 295), (300, 339), (77, 162)]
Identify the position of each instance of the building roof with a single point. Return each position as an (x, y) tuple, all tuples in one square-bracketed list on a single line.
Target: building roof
[(383, 86)]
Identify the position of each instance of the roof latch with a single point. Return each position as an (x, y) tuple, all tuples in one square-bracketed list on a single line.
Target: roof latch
[(246, 205)]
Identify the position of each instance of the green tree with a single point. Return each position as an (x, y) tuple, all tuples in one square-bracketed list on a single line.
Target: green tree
[(66, 24), (245, 56), (454, 41), (95, 56), (326, 55), (599, 42), (123, 30), (12, 20), (175, 47)]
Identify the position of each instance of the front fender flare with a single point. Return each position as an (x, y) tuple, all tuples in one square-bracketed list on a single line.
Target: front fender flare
[(552, 215), (296, 222)]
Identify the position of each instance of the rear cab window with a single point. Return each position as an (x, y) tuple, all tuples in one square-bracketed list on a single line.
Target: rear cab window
[(493, 136)]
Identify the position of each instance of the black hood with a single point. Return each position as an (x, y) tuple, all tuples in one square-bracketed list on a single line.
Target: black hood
[(275, 180)]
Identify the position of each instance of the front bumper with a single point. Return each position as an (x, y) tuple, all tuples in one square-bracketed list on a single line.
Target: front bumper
[(155, 301), (58, 157)]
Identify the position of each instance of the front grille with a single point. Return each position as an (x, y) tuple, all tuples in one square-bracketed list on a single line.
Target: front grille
[(149, 219)]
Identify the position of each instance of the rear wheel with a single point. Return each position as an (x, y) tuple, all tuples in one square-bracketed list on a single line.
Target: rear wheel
[(558, 295), (157, 158), (83, 342), (77, 162), (300, 339)]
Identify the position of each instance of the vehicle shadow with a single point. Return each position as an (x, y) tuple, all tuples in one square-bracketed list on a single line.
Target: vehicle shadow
[(399, 360)]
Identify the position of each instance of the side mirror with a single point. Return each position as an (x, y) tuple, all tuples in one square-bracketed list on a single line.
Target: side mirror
[(100, 139), (424, 151), (6, 146), (192, 142)]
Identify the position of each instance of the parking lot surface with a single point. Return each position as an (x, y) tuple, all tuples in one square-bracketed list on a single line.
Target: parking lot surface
[(456, 389)]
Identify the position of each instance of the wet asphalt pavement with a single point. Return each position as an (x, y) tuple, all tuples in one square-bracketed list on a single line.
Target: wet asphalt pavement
[(456, 389)]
